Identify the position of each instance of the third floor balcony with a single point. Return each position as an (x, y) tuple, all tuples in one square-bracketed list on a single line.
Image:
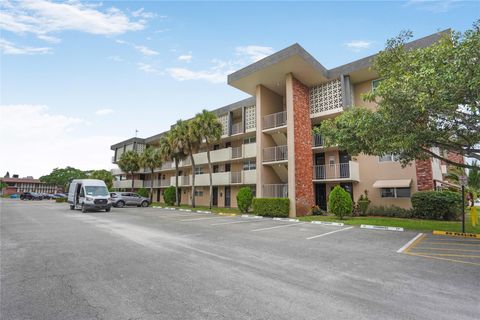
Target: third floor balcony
[(275, 120), (275, 154)]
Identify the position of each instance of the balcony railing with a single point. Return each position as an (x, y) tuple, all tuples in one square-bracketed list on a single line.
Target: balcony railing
[(278, 153), (317, 141), (166, 165), (236, 177), (275, 191), (237, 128), (274, 120), (337, 171), (236, 152), (184, 180)]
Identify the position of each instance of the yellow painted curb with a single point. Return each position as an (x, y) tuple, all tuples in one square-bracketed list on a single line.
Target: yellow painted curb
[(457, 234), (227, 214)]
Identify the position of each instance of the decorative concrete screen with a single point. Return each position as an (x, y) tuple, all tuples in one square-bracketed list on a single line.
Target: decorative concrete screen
[(140, 148), (224, 121), (250, 117), (119, 153), (326, 97)]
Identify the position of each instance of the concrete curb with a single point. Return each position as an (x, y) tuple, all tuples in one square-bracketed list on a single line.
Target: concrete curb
[(456, 234), (327, 223), (384, 228), (201, 211), (251, 216), (227, 214), (286, 219)]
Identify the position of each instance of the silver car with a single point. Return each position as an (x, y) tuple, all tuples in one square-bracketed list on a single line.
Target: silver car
[(122, 199)]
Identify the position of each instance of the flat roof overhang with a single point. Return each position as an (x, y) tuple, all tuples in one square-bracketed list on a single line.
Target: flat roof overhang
[(270, 71)]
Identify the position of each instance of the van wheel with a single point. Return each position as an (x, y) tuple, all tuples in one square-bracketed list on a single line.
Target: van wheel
[(72, 207), (145, 204), (84, 210), (120, 204)]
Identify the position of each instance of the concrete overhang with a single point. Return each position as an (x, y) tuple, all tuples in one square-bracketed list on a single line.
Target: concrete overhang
[(270, 71)]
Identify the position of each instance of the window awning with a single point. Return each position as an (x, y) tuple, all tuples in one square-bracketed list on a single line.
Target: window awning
[(401, 183)]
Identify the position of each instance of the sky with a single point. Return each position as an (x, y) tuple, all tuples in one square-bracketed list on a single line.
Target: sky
[(79, 76)]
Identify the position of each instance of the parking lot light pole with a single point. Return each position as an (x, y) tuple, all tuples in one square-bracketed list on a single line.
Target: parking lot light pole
[(463, 182)]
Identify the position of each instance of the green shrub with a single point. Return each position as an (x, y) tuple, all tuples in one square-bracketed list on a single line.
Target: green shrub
[(363, 203), (271, 207), (60, 200), (390, 211), (437, 205), (339, 202), (169, 196), (143, 192), (244, 199), (317, 211)]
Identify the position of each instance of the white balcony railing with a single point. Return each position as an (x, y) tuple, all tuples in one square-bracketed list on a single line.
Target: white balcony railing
[(337, 171), (236, 177), (127, 184), (278, 153), (275, 191), (274, 120), (317, 141), (236, 152), (237, 128)]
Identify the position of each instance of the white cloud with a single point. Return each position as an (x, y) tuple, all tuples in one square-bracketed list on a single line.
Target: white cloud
[(142, 49), (41, 17), (435, 6), (358, 45), (8, 47), (63, 142), (147, 68), (182, 74), (50, 39), (103, 112), (254, 52), (115, 58), (141, 13), (185, 57)]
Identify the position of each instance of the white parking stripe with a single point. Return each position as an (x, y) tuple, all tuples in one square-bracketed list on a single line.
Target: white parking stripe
[(284, 226), (409, 243), (326, 234), (197, 219), (251, 221)]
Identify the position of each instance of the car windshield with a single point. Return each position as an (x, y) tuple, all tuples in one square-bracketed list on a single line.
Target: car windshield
[(96, 191)]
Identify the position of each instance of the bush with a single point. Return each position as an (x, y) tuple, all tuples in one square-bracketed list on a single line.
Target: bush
[(169, 196), (143, 192), (339, 202), (271, 207), (60, 200), (317, 211), (363, 203), (391, 211), (437, 205), (244, 199)]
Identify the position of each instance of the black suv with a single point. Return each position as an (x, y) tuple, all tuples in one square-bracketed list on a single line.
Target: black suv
[(30, 196)]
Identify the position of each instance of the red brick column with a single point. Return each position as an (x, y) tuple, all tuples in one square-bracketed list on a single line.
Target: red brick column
[(458, 158), (304, 195), (424, 175)]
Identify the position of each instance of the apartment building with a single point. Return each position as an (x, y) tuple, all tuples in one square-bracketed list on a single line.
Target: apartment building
[(267, 141), (15, 185)]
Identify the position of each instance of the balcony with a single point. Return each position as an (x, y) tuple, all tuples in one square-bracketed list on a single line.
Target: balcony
[(219, 179), (317, 141), (127, 184), (157, 183), (275, 120), (236, 152), (337, 172), (275, 190), (275, 154), (237, 128)]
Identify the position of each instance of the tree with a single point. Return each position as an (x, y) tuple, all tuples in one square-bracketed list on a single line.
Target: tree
[(188, 135), (7, 175), (130, 163), (151, 159), (427, 98), (3, 185), (244, 199), (172, 149), (340, 202), (62, 177), (210, 130), (104, 175)]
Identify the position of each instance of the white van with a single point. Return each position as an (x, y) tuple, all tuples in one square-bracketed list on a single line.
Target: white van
[(89, 194)]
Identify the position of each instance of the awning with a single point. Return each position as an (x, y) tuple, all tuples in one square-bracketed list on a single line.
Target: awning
[(401, 183)]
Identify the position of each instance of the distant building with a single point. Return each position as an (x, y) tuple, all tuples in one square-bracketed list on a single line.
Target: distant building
[(27, 184)]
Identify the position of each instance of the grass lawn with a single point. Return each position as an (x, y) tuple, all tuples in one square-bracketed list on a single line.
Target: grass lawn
[(202, 208), (411, 224)]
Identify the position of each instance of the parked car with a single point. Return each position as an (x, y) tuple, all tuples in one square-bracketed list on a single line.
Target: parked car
[(58, 195), (30, 196), (121, 199), (46, 196), (86, 194)]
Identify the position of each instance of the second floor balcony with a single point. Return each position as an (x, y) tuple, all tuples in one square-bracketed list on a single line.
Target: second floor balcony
[(275, 154), (275, 120), (348, 171)]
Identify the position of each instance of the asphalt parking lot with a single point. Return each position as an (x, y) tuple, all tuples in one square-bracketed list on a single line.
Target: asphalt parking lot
[(149, 263)]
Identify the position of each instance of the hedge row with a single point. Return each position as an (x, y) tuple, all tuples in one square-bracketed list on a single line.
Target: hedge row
[(271, 207), (437, 205)]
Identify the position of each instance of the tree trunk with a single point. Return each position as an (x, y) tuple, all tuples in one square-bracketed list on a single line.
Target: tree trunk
[(193, 179), (133, 181), (151, 185), (210, 176), (177, 199)]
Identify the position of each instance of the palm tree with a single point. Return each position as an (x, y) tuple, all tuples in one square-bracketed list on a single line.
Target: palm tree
[(210, 130), (130, 163), (172, 149), (151, 159), (188, 136), (474, 176)]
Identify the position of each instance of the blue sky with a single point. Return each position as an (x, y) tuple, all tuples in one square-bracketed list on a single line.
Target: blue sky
[(77, 76)]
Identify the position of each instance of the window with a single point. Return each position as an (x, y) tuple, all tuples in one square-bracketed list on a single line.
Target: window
[(250, 140), (198, 193), (227, 167), (198, 170), (375, 83), (215, 168), (388, 158), (249, 165), (395, 192)]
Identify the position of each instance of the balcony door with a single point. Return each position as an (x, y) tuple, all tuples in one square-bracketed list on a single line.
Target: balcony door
[(321, 195), (215, 196), (227, 197), (344, 158)]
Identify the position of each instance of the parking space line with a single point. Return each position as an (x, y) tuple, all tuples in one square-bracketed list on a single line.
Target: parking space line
[(233, 222), (276, 227), (409, 243), (441, 258), (198, 219), (451, 255), (452, 243), (326, 234), (445, 249)]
